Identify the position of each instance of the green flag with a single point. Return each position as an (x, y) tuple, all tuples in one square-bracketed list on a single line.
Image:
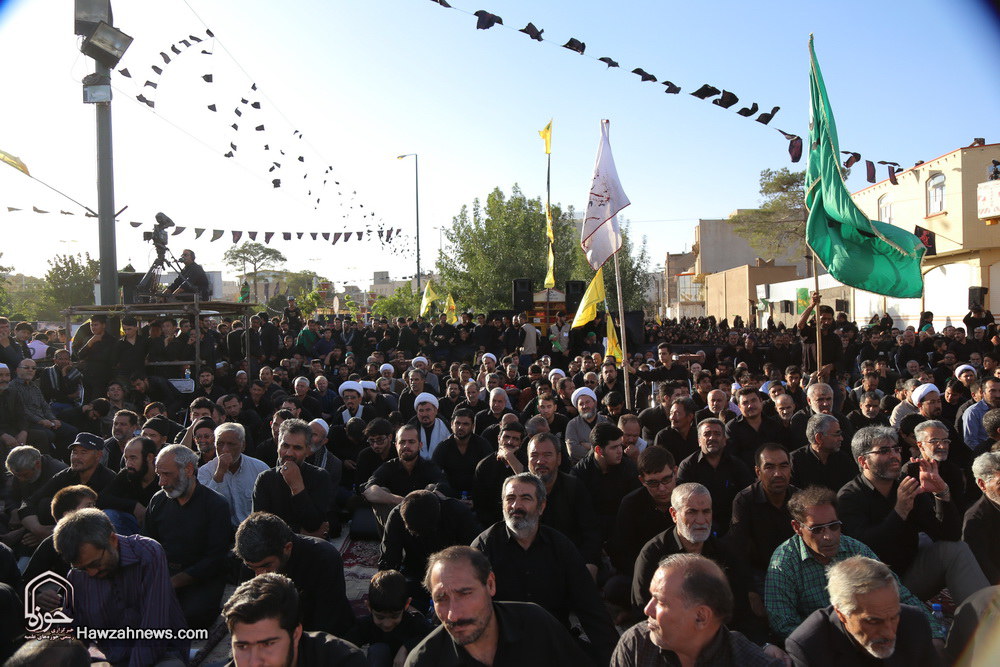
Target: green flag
[(867, 254)]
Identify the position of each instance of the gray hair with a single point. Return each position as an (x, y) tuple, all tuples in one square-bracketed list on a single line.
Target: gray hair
[(703, 583), (925, 426), (911, 384), (86, 526), (856, 576), (231, 427), (22, 458), (682, 493), (532, 426), (864, 440), (816, 387), (818, 423), (302, 378), (986, 466), (527, 478), (183, 456)]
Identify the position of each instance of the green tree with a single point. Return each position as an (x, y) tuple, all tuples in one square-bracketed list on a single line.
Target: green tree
[(253, 256), (6, 303), (489, 246), (68, 282), (634, 270), (776, 229), (404, 302)]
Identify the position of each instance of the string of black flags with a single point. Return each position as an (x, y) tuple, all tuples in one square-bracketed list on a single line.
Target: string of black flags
[(720, 97)]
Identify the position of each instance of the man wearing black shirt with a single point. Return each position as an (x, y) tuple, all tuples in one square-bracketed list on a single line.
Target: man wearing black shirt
[(656, 419), (378, 434), (391, 481), (300, 493), (607, 474), (723, 474), (475, 629), (192, 523), (536, 563), (681, 437), (510, 458), (833, 350), (751, 429), (125, 499), (265, 543), (568, 506), (84, 468), (644, 512), (458, 455), (888, 514), (822, 462), (263, 619), (192, 278), (416, 528)]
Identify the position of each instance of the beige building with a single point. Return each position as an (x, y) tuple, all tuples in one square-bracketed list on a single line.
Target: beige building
[(734, 292), (718, 248), (940, 196)]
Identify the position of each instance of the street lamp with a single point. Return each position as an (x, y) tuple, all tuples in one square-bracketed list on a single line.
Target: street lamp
[(416, 181), (106, 45)]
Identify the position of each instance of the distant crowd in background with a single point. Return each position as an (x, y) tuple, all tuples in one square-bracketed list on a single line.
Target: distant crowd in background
[(715, 498)]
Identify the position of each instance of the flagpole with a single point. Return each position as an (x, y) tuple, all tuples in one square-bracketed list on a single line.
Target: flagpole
[(819, 335), (622, 342)]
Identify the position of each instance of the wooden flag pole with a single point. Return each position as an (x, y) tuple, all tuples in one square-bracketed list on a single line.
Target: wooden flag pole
[(621, 341)]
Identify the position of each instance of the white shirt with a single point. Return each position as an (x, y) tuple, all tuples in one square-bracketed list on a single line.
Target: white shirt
[(236, 488)]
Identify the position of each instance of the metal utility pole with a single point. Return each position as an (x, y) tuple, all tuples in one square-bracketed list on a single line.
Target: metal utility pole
[(106, 198)]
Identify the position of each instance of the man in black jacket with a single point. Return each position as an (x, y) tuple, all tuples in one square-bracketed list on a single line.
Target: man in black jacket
[(865, 624), (191, 280), (982, 520)]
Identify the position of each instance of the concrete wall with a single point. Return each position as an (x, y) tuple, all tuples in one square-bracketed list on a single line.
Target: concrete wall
[(728, 293), (720, 249)]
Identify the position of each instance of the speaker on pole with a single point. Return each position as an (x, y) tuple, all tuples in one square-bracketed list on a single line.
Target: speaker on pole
[(522, 295), (574, 294)]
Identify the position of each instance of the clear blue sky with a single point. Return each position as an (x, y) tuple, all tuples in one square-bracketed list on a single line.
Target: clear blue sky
[(366, 81)]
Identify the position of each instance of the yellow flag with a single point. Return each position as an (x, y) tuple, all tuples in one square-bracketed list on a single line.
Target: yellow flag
[(593, 296), (15, 161), (550, 276), (546, 134), (429, 298), (613, 348), (451, 310)]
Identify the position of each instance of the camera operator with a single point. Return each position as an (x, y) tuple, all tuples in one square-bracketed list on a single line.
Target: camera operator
[(192, 278)]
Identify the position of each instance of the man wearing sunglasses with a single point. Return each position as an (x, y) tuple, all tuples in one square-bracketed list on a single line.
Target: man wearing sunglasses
[(888, 512), (796, 578)]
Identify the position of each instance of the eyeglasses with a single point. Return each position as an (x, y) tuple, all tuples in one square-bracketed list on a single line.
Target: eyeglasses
[(834, 527), (95, 564), (656, 483), (885, 451), (939, 441)]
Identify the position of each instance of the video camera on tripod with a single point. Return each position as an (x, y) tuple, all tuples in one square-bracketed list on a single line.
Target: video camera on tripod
[(158, 237)]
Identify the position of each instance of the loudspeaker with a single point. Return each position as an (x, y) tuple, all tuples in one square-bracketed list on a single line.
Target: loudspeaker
[(977, 296), (841, 305), (522, 295), (574, 294), (786, 307)]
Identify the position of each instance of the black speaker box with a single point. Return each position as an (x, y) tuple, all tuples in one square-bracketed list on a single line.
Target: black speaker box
[(522, 296), (574, 294)]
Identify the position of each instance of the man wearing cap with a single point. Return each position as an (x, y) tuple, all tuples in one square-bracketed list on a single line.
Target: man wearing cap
[(351, 393), (158, 429), (84, 468), (432, 430), (578, 430)]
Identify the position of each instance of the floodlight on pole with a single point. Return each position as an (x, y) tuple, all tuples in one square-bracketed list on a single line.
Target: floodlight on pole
[(106, 45), (416, 180)]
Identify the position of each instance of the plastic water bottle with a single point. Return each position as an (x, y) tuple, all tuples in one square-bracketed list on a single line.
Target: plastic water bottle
[(937, 612), (465, 496), (187, 373)]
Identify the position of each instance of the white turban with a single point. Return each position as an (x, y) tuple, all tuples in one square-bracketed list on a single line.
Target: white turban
[(387, 367), (556, 372), (350, 385), (322, 424), (416, 359), (964, 367), (921, 392), (368, 384), (491, 356), (583, 391), (425, 397)]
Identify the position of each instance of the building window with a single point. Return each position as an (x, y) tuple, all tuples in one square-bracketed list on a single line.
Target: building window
[(935, 194), (885, 208)]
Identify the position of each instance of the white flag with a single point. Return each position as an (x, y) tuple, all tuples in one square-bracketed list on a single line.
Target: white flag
[(601, 236)]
